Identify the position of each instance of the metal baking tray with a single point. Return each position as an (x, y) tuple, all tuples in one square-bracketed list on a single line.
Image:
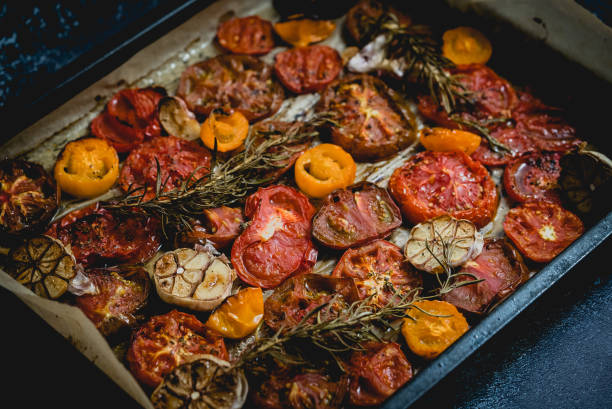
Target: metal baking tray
[(528, 48)]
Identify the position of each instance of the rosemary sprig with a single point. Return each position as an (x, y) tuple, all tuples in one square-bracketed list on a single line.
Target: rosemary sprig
[(494, 144), (423, 59), (229, 183), (359, 323), (450, 281)]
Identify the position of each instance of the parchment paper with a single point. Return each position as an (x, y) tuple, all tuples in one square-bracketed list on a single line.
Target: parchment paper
[(161, 63)]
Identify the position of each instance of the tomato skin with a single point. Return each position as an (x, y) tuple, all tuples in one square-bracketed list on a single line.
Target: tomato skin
[(355, 215), (102, 238), (297, 296), (276, 244), (533, 177), (542, 230), (121, 294), (250, 35), (166, 341), (307, 69), (178, 159), (373, 265), (502, 268), (231, 82), (431, 184), (372, 124), (130, 118), (376, 373)]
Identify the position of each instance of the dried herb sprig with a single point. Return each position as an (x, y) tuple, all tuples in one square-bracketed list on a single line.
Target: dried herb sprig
[(359, 323), (422, 59), (494, 144), (450, 281), (229, 183)]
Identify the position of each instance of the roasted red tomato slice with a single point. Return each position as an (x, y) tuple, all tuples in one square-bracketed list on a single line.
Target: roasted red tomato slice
[(533, 177), (518, 143), (307, 69), (178, 160), (122, 293), (231, 82), (130, 118), (168, 340), (311, 390), (544, 125), (379, 270), (492, 96), (250, 35), (271, 129), (299, 295), (364, 19), (276, 244), (502, 268), (542, 230), (377, 373), (431, 184), (548, 132), (28, 196), (372, 124), (102, 238), (220, 226), (355, 215)]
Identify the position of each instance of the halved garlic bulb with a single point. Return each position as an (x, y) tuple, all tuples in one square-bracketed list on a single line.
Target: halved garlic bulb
[(442, 240), (44, 265), (205, 382), (196, 279)]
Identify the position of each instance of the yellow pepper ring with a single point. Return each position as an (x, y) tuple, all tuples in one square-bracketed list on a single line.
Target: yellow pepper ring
[(466, 45), (323, 169), (87, 168)]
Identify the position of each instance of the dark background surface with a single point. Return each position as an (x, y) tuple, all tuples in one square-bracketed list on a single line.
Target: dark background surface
[(557, 353)]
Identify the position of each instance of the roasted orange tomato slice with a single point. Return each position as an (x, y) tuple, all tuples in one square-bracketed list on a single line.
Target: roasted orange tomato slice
[(167, 341), (466, 45), (447, 140), (229, 130), (87, 167), (239, 315), (429, 333), (303, 32), (323, 169)]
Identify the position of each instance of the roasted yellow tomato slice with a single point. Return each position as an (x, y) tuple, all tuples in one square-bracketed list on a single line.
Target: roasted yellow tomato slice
[(323, 169), (229, 130), (239, 315), (432, 327), (466, 45), (447, 140), (87, 167), (303, 32)]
